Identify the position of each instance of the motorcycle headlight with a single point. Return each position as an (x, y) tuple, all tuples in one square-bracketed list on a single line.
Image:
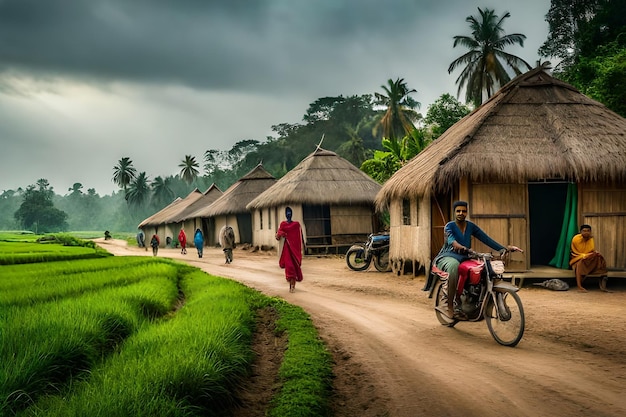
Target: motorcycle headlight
[(497, 266)]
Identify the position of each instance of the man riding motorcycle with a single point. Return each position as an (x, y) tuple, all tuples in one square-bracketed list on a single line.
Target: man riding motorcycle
[(458, 239)]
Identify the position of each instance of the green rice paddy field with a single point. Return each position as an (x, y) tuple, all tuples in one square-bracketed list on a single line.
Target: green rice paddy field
[(83, 333)]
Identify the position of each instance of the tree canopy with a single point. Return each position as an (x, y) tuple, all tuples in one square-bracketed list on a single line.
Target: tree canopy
[(588, 37), (37, 211), (443, 113), (486, 61)]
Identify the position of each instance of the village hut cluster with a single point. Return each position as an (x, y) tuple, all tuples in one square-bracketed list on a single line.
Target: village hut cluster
[(332, 199), (534, 162)]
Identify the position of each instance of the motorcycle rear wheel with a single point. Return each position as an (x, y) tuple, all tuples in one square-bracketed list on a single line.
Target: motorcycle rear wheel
[(506, 327), (441, 302), (355, 258), (381, 261)]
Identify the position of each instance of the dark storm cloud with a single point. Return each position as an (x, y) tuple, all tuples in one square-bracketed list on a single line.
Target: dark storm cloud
[(86, 82), (247, 45)]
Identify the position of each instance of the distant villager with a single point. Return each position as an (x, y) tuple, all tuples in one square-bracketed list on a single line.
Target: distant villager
[(198, 241), (182, 239), (155, 242), (227, 242)]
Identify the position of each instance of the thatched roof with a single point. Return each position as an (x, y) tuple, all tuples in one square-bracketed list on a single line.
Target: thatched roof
[(534, 127), (238, 195), (199, 206), (171, 211), (323, 177)]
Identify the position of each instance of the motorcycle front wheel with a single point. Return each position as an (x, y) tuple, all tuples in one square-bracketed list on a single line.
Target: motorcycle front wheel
[(506, 320), (355, 258), (441, 304), (381, 261)]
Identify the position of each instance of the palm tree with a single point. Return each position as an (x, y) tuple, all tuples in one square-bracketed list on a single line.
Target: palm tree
[(484, 70), (400, 116), (162, 191), (354, 149), (124, 173), (139, 190), (189, 171)]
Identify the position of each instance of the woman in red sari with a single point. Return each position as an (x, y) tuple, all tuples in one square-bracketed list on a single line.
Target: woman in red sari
[(182, 239), (290, 251)]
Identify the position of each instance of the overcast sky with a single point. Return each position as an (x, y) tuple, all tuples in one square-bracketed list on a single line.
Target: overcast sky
[(84, 83)]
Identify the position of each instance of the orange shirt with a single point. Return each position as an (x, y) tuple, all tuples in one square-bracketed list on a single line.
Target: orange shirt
[(580, 247)]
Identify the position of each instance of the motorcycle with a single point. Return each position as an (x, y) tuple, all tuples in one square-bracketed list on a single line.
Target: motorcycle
[(486, 295), (360, 255)]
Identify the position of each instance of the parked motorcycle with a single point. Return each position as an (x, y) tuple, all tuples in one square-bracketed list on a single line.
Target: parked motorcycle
[(360, 255), (487, 296)]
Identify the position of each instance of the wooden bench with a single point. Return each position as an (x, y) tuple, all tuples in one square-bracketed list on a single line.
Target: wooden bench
[(544, 272)]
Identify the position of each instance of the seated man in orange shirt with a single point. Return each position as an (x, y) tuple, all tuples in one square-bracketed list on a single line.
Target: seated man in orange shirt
[(584, 259)]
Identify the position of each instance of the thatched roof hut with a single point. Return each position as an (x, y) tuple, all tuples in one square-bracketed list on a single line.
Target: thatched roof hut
[(333, 198), (200, 206), (230, 208), (163, 222), (192, 217), (534, 131), (171, 211)]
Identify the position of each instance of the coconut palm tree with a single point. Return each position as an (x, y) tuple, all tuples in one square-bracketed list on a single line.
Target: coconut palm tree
[(484, 71), (162, 191), (138, 190), (400, 115), (124, 173), (189, 169)]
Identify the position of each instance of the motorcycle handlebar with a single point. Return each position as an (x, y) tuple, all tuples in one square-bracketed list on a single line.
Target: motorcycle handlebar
[(479, 255)]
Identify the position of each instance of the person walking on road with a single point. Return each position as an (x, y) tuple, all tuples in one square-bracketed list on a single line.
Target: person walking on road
[(290, 251), (182, 239), (198, 241), (155, 242)]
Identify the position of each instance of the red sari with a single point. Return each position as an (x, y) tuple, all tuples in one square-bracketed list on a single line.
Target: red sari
[(182, 239), (291, 253)]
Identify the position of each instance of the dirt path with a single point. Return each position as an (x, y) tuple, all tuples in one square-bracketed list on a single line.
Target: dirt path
[(395, 359)]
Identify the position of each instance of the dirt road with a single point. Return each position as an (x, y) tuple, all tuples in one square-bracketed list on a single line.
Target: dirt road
[(395, 359)]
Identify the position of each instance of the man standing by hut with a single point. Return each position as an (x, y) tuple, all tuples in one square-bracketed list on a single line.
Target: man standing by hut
[(585, 260), (291, 249)]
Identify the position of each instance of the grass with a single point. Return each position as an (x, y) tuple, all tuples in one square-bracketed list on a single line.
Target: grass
[(45, 248), (143, 337), (306, 371)]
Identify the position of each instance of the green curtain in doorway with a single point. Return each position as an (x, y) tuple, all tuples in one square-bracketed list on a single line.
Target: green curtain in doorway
[(568, 229)]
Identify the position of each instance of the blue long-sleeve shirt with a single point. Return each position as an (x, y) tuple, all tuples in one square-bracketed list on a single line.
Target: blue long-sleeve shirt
[(453, 233)]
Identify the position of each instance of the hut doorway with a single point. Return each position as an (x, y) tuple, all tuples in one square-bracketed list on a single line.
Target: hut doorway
[(440, 209), (316, 220), (546, 202), (244, 224)]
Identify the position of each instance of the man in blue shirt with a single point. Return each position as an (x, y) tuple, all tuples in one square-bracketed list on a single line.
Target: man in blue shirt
[(458, 240)]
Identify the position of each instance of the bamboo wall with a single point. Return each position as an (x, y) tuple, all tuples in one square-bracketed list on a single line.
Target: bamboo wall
[(349, 224), (603, 207), (409, 244), (501, 211)]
